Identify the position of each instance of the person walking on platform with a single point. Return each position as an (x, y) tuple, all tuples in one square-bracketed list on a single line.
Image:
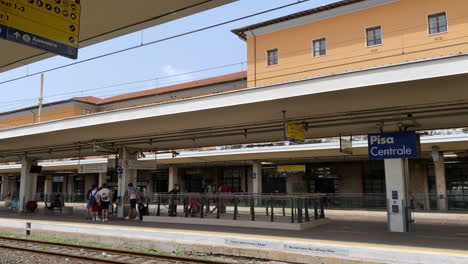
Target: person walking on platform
[(131, 195), (105, 197)]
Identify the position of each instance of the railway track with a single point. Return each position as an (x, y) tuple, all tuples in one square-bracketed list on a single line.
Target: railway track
[(95, 254)]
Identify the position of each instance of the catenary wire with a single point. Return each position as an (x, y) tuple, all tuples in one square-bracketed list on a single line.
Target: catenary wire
[(224, 66), (157, 41)]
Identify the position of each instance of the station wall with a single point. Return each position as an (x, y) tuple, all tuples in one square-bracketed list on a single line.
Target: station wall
[(405, 38)]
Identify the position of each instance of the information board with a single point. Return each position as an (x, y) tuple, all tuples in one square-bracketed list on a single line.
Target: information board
[(292, 168), (50, 25), (294, 132), (92, 168), (346, 145), (398, 145)]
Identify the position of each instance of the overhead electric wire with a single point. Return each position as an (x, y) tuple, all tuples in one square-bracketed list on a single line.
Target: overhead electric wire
[(157, 41), (102, 89), (258, 73)]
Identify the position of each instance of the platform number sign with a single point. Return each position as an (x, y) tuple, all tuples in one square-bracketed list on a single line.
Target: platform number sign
[(398, 145), (294, 132), (50, 25)]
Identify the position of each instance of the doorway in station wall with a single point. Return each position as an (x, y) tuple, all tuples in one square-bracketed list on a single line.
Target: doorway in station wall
[(272, 181), (161, 181), (322, 178), (456, 174), (232, 178), (193, 180), (58, 184)]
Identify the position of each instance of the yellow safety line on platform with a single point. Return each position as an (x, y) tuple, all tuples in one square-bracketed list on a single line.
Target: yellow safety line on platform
[(213, 233)]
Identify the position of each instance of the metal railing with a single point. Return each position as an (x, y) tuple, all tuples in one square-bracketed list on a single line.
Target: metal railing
[(65, 197), (241, 206), (375, 201)]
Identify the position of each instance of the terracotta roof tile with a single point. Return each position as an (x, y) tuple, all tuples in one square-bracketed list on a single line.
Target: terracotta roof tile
[(182, 86), (241, 31)]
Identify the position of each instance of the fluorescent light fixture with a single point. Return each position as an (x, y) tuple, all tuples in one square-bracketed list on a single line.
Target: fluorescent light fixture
[(450, 155), (267, 163)]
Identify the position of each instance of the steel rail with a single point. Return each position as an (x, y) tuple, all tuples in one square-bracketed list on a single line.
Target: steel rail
[(121, 252)]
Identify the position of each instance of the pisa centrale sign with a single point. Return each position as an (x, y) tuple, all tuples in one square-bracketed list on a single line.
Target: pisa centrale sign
[(50, 25), (398, 145)]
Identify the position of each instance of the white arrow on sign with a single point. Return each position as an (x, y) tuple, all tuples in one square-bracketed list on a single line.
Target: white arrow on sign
[(17, 35)]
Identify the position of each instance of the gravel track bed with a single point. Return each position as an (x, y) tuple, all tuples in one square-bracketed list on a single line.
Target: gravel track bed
[(8, 256)]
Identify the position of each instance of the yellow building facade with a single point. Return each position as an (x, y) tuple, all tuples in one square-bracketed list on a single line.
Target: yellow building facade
[(353, 35)]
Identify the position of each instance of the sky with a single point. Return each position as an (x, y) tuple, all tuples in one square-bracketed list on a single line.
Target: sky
[(153, 65)]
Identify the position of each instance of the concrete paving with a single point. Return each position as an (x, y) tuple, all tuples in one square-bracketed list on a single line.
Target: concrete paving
[(350, 240)]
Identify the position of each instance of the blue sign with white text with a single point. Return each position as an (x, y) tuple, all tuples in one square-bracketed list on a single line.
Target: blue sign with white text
[(398, 145), (3, 31)]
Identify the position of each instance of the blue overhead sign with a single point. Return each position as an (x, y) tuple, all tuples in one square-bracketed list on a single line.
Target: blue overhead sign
[(3, 31), (398, 145)]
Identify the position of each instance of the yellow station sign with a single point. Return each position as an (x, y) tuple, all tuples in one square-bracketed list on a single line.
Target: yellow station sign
[(294, 132), (291, 168), (51, 25)]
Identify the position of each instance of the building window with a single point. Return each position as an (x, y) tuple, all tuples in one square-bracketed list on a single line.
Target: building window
[(272, 57), (232, 178), (374, 36), (320, 47), (438, 23)]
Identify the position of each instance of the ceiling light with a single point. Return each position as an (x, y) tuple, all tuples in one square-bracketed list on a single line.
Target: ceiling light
[(450, 155)]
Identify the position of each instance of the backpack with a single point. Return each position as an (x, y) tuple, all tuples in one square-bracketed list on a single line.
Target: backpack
[(104, 197), (93, 200)]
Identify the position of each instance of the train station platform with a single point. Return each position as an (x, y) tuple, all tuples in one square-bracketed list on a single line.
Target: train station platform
[(364, 240)]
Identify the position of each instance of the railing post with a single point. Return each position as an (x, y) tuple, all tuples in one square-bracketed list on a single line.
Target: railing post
[(158, 210), (284, 207), (322, 212), (235, 208), (306, 206), (208, 205), (266, 207), (252, 209), (316, 215), (202, 205), (272, 212), (299, 210), (186, 207), (292, 210), (218, 205)]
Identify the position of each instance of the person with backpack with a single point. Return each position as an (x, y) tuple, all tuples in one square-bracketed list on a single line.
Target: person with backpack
[(93, 203), (104, 197)]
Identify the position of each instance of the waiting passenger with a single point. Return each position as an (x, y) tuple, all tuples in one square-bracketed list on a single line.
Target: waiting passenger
[(8, 199), (131, 195), (194, 207), (104, 197), (57, 202), (93, 203)]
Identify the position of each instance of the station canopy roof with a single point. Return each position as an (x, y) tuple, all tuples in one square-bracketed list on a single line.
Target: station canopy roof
[(353, 103), (107, 19)]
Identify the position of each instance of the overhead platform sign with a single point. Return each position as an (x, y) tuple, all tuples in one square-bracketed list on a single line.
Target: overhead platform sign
[(50, 25), (292, 168), (294, 133), (398, 145)]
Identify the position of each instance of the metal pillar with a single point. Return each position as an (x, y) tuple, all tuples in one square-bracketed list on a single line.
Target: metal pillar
[(173, 178), (441, 182), (5, 184), (257, 177), (396, 180), (26, 183), (102, 178), (127, 176)]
